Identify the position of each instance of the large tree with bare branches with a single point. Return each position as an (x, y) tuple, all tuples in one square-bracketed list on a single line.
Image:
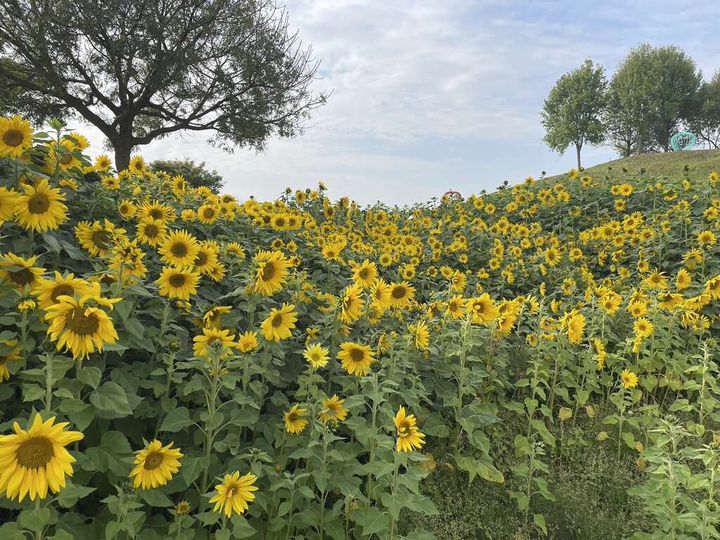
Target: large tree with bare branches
[(142, 69)]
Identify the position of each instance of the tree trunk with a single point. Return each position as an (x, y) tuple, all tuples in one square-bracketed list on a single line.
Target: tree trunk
[(122, 153), (577, 150)]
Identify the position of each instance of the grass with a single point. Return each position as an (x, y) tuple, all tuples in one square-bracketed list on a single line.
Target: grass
[(661, 165)]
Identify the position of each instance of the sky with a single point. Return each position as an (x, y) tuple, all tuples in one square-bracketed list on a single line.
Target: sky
[(434, 95)]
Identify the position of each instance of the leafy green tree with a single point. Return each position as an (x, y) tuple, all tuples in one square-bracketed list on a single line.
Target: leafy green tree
[(144, 69), (572, 113), (196, 174), (705, 121), (652, 93)]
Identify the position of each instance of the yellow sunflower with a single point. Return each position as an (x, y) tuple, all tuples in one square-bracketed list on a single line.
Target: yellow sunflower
[(271, 272), (409, 438), (151, 231), (157, 211), (155, 465), (15, 136), (628, 379), (317, 355), (401, 294), (8, 204), (279, 323), (295, 420), (482, 309), (211, 336), (99, 237), (356, 359), (207, 214), (247, 342), (11, 354), (35, 461), (178, 282), (352, 304), (80, 327), (333, 410), (20, 272), (365, 273), (179, 248), (49, 290), (234, 493), (420, 335), (40, 208)]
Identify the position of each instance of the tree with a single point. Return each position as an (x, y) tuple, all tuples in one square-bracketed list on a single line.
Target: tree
[(141, 70), (196, 174), (651, 94), (705, 121), (573, 110)]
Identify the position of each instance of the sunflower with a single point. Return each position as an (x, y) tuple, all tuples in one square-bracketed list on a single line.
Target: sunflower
[(126, 209), (11, 354), (151, 231), (178, 282), (575, 327), (209, 338), (49, 290), (35, 460), (316, 355), (271, 272), (179, 248), (352, 304), (295, 421), (643, 328), (409, 438), (628, 379), (20, 272), (206, 258), (482, 309), (137, 165), (234, 493), (80, 327), (456, 307), (41, 207), (247, 342), (98, 238), (213, 316), (15, 136), (157, 212), (279, 323), (62, 156), (401, 294), (102, 163), (333, 410), (420, 334), (235, 249), (207, 214), (365, 273), (356, 359), (155, 465), (8, 204)]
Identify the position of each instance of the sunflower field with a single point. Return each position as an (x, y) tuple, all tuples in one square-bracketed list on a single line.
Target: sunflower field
[(175, 363)]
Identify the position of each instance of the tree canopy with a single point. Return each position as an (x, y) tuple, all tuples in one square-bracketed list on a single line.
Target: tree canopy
[(144, 69), (196, 174), (705, 121)]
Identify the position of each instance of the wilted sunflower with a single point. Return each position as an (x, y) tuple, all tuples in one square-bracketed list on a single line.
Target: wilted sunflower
[(333, 410), (80, 327), (271, 272), (49, 290), (15, 136), (279, 323), (234, 493), (9, 352), (155, 465), (295, 421), (40, 208), (20, 272), (179, 248), (409, 438), (356, 359), (178, 282), (211, 336), (316, 355), (35, 461)]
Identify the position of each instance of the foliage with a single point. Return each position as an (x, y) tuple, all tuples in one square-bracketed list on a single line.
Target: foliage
[(139, 71), (195, 174), (705, 120), (572, 113), (298, 368)]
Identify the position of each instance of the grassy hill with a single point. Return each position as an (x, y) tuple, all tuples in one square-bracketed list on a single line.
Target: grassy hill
[(670, 165)]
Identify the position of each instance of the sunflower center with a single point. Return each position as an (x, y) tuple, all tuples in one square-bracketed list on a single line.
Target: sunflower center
[(277, 320), (153, 461), (66, 158), (208, 213), (357, 355), (13, 137), (151, 231), (177, 280), (102, 239), (156, 213), (364, 273), (80, 323), (399, 292), (268, 272), (61, 290), (22, 277), (35, 453), (38, 203), (201, 259), (179, 249)]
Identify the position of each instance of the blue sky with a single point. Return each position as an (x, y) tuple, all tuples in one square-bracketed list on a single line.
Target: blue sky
[(430, 95)]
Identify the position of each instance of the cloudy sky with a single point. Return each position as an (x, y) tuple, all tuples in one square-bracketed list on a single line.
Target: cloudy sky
[(432, 95)]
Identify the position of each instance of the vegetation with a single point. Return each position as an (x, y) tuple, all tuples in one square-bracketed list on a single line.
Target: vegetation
[(195, 174), (537, 362)]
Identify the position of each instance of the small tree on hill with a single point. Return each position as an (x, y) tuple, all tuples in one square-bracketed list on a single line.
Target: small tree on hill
[(142, 69), (196, 174), (572, 113), (705, 121)]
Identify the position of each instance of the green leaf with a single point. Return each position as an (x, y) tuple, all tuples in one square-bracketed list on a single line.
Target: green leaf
[(176, 420), (71, 494), (111, 401), (539, 520), (475, 467), (90, 375), (156, 498)]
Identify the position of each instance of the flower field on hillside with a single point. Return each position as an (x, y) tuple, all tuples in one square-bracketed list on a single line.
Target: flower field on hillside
[(176, 363)]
